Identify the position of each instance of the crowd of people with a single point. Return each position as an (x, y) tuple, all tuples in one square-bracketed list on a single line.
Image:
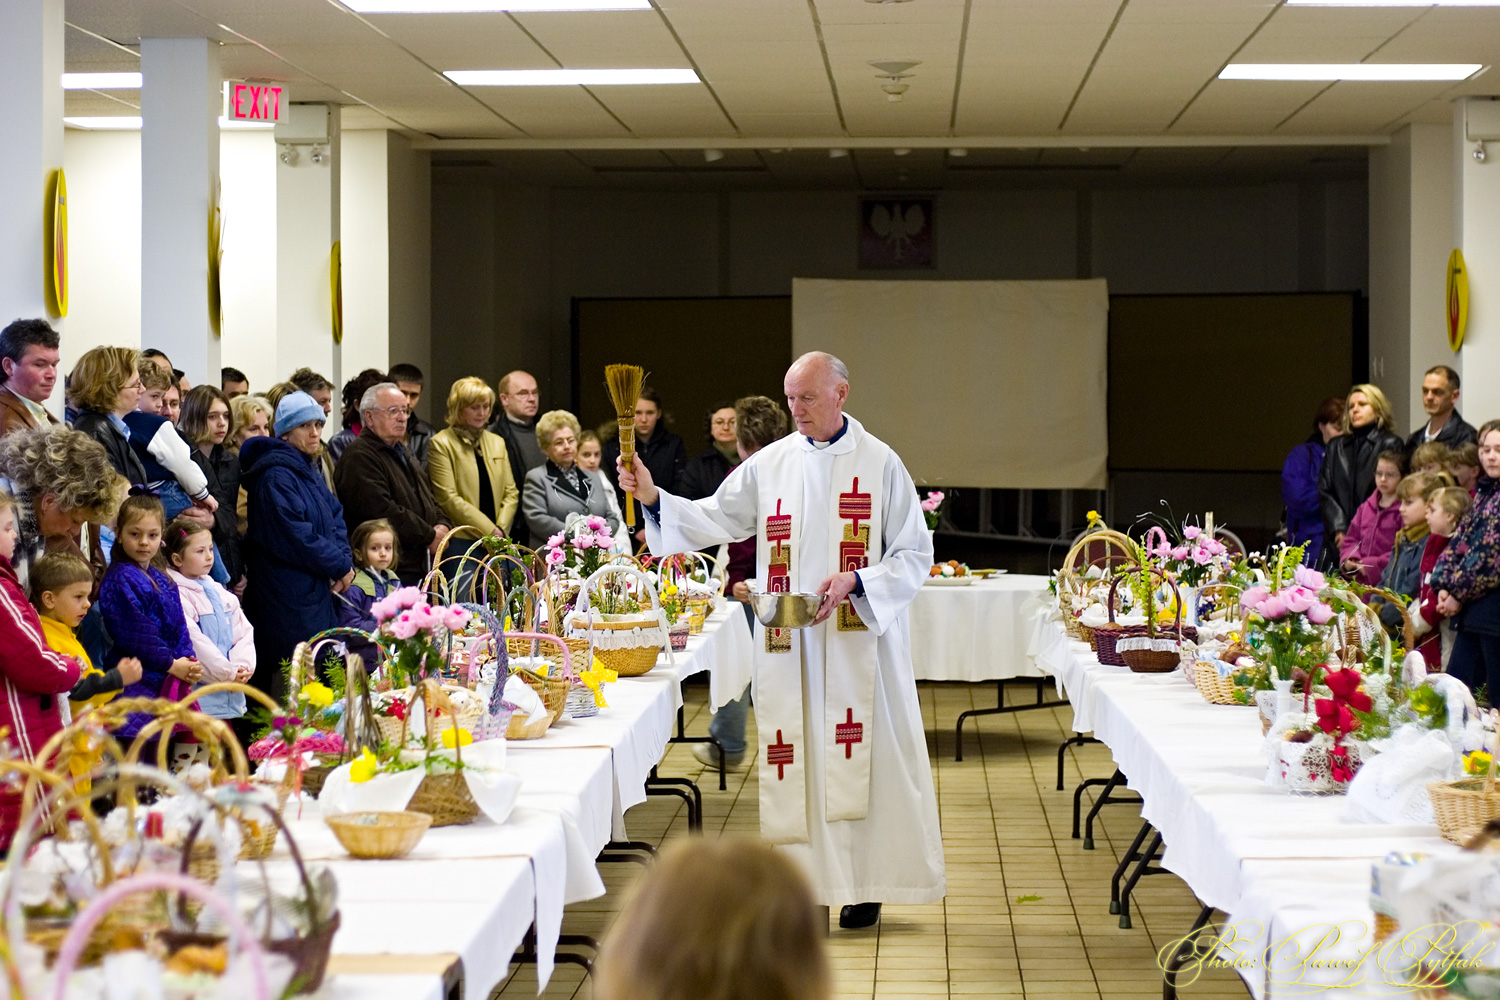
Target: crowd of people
[(167, 536), (1417, 519)]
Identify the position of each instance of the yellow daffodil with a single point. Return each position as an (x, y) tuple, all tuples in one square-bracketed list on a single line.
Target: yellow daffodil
[(363, 768), (317, 694), (1477, 762), (1093, 517), (462, 739)]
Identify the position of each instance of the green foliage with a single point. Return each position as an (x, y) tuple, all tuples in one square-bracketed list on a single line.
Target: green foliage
[(1428, 705)]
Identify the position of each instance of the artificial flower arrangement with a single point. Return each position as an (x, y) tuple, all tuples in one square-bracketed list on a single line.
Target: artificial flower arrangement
[(581, 547), (413, 633), (1315, 753), (1188, 553), (932, 508)]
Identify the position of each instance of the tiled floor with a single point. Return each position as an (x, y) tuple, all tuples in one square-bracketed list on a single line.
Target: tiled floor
[(1027, 911)]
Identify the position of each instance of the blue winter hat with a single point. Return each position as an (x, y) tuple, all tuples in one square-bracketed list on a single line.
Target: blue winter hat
[(296, 409)]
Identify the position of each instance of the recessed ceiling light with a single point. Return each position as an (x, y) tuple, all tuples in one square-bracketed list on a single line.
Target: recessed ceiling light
[(837, 154), (567, 77), (487, 6), (101, 81), (103, 124), (1350, 71), (1393, 3), (713, 155), (126, 123)]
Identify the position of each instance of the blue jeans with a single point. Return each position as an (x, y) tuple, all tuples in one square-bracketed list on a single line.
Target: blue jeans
[(728, 725)]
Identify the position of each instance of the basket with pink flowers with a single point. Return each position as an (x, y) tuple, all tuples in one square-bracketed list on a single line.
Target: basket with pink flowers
[(580, 548)]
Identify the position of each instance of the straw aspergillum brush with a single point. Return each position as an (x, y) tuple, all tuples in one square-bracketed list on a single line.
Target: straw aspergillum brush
[(624, 383)]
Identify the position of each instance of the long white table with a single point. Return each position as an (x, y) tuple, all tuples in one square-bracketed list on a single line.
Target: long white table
[(975, 633), (464, 900), (1276, 862)]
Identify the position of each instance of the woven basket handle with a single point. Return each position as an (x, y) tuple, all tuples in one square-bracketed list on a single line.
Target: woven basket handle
[(1140, 570), (539, 637)]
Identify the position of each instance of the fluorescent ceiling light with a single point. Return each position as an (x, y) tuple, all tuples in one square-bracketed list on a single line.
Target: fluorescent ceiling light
[(1393, 3), (118, 122), (1350, 71), (126, 123), (101, 81), (567, 77), (487, 6)]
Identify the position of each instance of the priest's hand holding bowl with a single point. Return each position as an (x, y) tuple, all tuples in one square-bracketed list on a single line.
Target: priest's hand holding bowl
[(834, 590)]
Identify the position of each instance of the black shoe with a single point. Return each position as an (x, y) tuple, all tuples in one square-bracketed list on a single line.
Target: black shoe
[(859, 915)]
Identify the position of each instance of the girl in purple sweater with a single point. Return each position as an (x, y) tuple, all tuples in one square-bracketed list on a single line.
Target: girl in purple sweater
[(143, 611)]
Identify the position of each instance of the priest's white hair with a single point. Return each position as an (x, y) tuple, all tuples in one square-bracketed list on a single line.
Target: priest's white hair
[(836, 368)]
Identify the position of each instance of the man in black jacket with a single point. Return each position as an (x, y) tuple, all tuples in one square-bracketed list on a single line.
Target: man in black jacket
[(515, 421), (1440, 399), (662, 452), (409, 380)]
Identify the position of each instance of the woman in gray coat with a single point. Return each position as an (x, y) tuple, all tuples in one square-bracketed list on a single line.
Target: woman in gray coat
[(558, 487)]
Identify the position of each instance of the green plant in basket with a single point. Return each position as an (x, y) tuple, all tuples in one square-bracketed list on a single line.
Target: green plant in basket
[(412, 631), (614, 596), (1287, 626)]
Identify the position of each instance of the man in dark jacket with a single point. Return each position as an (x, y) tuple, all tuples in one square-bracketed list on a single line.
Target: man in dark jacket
[(662, 452), (296, 549), (1440, 400), (28, 371), (378, 478), (515, 422), (409, 380)]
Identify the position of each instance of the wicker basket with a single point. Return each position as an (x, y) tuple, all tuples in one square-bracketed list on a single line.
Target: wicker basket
[(393, 730), (633, 661), (578, 648), (446, 798), (379, 834), (1104, 548), (1462, 806), (1153, 661), (554, 694), (1215, 688)]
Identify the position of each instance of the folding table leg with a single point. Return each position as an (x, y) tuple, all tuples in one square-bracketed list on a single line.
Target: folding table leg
[(1141, 868), (1131, 854), (627, 851), (1076, 740), (682, 737), (683, 789), (526, 954), (1106, 798), (1078, 801), (1188, 949), (1001, 708)]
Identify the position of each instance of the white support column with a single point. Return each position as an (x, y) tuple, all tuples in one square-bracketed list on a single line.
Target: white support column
[(180, 106), (1477, 232), (1411, 233), (31, 66), (307, 226)]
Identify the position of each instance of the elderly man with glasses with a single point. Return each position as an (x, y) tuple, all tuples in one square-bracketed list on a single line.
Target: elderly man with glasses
[(377, 477)]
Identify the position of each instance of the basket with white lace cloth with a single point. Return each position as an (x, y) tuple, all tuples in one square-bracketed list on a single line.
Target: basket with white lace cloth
[(628, 644)]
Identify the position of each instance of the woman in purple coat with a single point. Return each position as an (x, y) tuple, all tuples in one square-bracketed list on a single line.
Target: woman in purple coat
[(1299, 479)]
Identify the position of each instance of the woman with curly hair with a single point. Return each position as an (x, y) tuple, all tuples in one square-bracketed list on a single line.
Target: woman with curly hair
[(64, 488), (105, 385)]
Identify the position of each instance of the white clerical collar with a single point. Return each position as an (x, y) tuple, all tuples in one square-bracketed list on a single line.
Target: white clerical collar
[(820, 445)]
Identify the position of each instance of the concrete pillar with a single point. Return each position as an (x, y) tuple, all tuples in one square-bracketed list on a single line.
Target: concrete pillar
[(1477, 233), (180, 106), (1411, 233), (307, 226), (31, 67)]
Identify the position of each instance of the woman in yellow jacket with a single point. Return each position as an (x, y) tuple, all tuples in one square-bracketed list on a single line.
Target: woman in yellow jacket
[(468, 465)]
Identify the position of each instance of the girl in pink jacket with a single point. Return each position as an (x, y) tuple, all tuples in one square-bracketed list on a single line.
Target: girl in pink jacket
[(1366, 546), (223, 639)]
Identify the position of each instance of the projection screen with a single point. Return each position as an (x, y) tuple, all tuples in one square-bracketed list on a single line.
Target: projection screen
[(974, 383)]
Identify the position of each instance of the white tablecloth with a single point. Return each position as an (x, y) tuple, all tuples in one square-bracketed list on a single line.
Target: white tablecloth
[(1276, 862), (975, 633)]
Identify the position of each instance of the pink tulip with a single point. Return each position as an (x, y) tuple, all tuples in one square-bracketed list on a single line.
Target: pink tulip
[(1252, 599), (1319, 613), (1309, 578), (403, 626), (1191, 532), (555, 557), (936, 496), (1299, 599), (596, 524), (929, 505), (408, 597), (1180, 552), (1201, 555), (1214, 546), (1273, 606), (455, 618), (584, 541), (384, 608), (555, 540)]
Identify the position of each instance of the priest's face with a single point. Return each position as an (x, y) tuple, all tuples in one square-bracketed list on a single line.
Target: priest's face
[(816, 398)]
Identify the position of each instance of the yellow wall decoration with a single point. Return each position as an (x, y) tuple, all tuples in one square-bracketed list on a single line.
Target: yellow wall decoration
[(1457, 299), (216, 264), (57, 245), (336, 293)]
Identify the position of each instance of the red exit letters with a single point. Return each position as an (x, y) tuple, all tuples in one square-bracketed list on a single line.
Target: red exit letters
[(253, 102)]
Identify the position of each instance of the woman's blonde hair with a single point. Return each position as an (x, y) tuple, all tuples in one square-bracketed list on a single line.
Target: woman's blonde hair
[(726, 919), (66, 463), (1384, 418), (1453, 501), (465, 393), (553, 421), (242, 410), (97, 378)]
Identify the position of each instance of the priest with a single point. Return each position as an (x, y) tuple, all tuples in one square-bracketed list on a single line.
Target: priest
[(845, 783)]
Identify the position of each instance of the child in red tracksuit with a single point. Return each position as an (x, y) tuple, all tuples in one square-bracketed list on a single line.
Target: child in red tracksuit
[(32, 677), (1445, 508)]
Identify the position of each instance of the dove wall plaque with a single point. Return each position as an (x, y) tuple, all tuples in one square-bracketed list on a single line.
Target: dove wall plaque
[(895, 234)]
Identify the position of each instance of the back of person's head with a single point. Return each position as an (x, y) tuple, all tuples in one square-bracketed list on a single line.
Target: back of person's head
[(1465, 455), (99, 375), (153, 377), (1330, 411), (278, 392), (1421, 485), (758, 421), (1429, 456), (54, 571), (726, 919), (354, 390), (1453, 501), (24, 333), (309, 381), (66, 464)]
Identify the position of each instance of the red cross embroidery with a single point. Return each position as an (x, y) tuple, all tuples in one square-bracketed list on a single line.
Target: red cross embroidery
[(848, 733), (779, 755), (854, 506)]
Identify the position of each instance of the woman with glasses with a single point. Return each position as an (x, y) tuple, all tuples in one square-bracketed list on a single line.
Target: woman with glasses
[(558, 487), (704, 472), (104, 386)]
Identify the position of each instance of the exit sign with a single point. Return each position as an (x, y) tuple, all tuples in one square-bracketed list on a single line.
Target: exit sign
[(253, 102)]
